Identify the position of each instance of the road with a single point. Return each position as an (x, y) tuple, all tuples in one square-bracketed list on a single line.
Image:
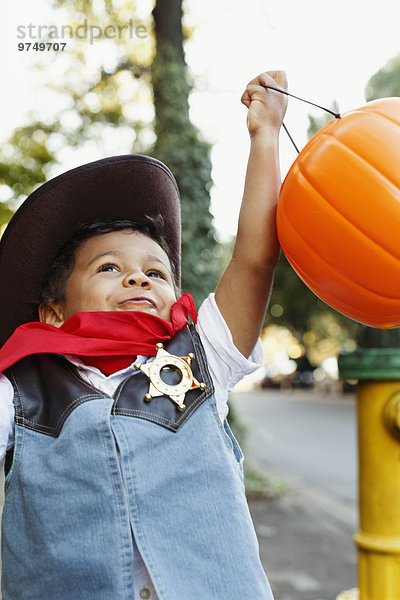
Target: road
[(307, 439)]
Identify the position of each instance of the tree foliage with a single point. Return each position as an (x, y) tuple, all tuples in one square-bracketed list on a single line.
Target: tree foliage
[(385, 83), (102, 102), (86, 103)]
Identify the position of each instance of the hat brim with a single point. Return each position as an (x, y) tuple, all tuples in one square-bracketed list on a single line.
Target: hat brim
[(120, 187)]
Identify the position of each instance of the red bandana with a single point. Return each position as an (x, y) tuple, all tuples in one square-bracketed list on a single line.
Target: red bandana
[(109, 341)]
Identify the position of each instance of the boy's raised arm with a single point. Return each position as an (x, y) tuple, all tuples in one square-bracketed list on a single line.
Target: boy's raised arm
[(243, 292)]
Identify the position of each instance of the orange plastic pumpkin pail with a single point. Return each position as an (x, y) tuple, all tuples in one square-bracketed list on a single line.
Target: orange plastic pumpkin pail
[(338, 214)]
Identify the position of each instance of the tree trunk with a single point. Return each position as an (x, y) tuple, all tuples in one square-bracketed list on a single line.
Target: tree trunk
[(180, 147), (168, 25)]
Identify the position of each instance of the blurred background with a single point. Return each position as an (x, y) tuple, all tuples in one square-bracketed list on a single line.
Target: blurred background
[(83, 80)]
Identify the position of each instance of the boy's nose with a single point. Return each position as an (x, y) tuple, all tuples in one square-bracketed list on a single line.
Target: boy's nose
[(136, 278)]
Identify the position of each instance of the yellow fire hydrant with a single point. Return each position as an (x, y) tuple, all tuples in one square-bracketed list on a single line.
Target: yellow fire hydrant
[(378, 412)]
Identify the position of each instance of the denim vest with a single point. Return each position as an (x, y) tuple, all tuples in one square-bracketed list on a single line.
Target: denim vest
[(90, 471)]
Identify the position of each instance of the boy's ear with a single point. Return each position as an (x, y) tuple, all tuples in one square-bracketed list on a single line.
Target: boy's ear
[(51, 314)]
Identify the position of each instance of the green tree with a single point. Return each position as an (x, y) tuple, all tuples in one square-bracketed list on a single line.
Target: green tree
[(385, 83), (107, 89), (86, 102)]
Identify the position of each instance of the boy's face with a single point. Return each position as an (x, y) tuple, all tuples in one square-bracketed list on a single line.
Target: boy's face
[(121, 270)]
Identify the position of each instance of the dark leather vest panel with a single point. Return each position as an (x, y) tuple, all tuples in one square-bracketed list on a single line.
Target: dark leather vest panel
[(47, 389)]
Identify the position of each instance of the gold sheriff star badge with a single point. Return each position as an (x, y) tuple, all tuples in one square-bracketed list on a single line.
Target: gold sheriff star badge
[(181, 365)]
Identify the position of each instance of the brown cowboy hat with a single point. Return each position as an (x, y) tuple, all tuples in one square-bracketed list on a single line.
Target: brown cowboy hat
[(120, 187)]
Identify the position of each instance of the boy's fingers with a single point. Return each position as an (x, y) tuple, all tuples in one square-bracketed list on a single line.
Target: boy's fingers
[(254, 91), (246, 98), (272, 78), (248, 93), (279, 77)]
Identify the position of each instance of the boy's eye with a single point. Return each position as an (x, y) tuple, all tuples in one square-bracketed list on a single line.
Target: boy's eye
[(107, 267), (154, 273)]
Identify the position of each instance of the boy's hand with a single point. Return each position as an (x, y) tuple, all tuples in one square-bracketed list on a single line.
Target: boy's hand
[(266, 107)]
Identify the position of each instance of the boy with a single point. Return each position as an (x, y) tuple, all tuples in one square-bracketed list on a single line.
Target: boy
[(123, 478)]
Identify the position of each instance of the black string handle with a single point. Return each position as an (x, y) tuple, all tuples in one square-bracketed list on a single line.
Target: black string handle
[(290, 137), (270, 87)]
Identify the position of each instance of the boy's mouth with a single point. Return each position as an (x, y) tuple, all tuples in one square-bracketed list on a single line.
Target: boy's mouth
[(138, 300)]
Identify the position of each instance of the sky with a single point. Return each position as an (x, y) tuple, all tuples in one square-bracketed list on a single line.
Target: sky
[(328, 49)]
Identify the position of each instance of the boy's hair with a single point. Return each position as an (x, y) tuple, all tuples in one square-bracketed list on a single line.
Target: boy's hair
[(55, 281)]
